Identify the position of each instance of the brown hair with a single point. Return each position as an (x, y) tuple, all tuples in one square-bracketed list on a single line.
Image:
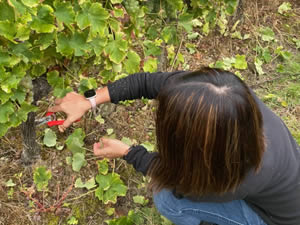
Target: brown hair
[(209, 134)]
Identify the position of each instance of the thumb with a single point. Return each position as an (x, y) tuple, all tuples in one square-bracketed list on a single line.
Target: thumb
[(99, 150), (65, 125)]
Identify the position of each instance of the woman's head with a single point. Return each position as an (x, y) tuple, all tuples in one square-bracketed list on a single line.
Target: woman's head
[(209, 133)]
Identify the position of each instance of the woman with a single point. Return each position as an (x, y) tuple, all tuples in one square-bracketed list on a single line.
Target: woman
[(223, 156)]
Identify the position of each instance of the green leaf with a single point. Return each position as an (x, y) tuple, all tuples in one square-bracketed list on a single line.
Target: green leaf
[(97, 118), (132, 64), (31, 3), (64, 12), (8, 29), (152, 47), (6, 12), (69, 160), (258, 63), (186, 21), (49, 138), (176, 4), (267, 34), (78, 161), (10, 183), (38, 70), (169, 35), (110, 211), (87, 84), (109, 131), (150, 65), (75, 141), (94, 16), (18, 95), (79, 183), (75, 44), (18, 6), (90, 183), (58, 83), (240, 62), (110, 187), (5, 111), (116, 50), (103, 166), (139, 199), (149, 146), (41, 176), (4, 128), (98, 44), (284, 7), (45, 40), (44, 21), (73, 220), (116, 1), (4, 97), (127, 141)]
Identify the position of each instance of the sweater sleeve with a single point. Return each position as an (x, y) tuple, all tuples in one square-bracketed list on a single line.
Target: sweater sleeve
[(138, 85), (140, 158)]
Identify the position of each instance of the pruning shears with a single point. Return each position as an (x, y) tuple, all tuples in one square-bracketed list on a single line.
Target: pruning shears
[(50, 120)]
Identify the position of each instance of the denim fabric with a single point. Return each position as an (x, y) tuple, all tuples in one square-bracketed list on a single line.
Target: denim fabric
[(186, 212)]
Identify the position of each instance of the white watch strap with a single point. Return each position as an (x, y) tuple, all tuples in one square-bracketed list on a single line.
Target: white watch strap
[(93, 102)]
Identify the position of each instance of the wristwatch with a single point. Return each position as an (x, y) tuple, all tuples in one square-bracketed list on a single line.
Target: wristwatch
[(91, 96)]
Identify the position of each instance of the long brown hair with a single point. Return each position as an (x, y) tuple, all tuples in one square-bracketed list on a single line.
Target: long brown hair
[(209, 134)]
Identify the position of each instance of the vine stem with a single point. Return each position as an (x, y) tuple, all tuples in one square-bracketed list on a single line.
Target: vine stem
[(175, 58), (80, 196)]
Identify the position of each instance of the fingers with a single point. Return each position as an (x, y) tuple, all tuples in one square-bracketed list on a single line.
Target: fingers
[(68, 122), (58, 101), (56, 108)]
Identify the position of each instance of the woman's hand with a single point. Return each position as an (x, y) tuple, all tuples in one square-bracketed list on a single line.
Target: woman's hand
[(74, 105), (110, 148)]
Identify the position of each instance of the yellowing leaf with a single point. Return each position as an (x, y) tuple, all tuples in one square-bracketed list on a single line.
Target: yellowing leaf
[(49, 138), (132, 64)]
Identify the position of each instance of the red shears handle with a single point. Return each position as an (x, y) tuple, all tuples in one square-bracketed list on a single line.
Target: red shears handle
[(55, 122)]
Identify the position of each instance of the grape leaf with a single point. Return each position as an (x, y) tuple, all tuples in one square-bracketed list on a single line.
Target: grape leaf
[(4, 97), (240, 62), (6, 12), (41, 177), (10, 183), (78, 161), (267, 34), (49, 138), (284, 7), (18, 6), (94, 17), (75, 141), (75, 44), (79, 183), (132, 64), (116, 49), (64, 12), (87, 84), (139, 199), (186, 21), (4, 128), (8, 29), (6, 110), (150, 65), (110, 187), (103, 166), (44, 21), (31, 3), (116, 1), (45, 40)]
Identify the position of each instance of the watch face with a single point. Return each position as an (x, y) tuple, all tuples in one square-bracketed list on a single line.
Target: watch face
[(90, 93)]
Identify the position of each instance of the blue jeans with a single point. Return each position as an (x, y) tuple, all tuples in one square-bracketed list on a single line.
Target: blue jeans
[(186, 212)]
